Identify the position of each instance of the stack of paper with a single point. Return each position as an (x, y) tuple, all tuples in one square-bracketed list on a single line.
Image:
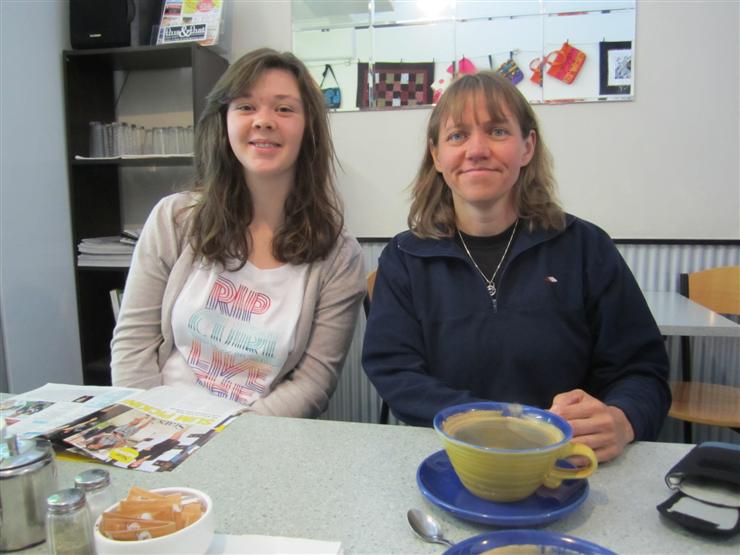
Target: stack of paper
[(130, 236), (104, 251)]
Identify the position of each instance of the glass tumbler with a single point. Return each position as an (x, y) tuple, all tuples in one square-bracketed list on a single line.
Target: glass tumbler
[(170, 140), (111, 140), (180, 139), (189, 141), (158, 140), (147, 145), (96, 139), (140, 142), (124, 138)]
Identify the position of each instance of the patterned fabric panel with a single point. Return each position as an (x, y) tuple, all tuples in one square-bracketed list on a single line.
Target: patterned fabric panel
[(395, 84)]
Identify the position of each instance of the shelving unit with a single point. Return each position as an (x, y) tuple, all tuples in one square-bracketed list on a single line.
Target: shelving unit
[(94, 185)]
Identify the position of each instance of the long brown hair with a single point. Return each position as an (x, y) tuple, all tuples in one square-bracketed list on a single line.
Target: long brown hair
[(313, 211), (432, 214)]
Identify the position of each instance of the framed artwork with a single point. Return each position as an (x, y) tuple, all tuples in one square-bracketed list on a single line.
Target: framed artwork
[(615, 67), (395, 84)]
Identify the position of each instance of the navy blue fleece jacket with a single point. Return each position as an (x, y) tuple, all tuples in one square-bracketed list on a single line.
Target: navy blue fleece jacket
[(568, 314)]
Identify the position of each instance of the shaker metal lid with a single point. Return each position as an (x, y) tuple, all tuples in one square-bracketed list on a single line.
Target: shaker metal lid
[(16, 452), (65, 500), (93, 479)]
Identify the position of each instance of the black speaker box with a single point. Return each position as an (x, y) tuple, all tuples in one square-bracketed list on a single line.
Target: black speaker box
[(112, 23)]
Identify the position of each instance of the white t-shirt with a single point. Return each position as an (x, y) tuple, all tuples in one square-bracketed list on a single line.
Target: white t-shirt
[(233, 331)]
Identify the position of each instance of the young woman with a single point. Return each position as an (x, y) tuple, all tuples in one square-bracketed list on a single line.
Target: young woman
[(496, 294), (248, 286)]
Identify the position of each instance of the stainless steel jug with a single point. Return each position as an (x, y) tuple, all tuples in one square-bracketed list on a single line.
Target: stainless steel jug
[(28, 476)]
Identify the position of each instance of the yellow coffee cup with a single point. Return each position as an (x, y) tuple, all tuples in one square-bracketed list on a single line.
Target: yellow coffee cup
[(504, 452)]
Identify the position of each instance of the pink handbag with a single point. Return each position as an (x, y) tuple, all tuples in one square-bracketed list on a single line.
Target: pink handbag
[(463, 66)]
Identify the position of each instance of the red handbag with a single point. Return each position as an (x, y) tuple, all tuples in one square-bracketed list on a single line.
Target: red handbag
[(536, 65), (565, 63)]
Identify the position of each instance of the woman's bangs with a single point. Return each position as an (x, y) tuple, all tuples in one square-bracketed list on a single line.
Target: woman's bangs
[(466, 92), (247, 75), (240, 84)]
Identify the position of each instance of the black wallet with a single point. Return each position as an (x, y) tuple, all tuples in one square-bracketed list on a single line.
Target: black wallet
[(707, 485)]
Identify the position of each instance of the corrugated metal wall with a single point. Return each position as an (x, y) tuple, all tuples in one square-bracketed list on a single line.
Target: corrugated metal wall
[(355, 399), (656, 268)]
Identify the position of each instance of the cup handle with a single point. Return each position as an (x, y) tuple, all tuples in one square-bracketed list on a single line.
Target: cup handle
[(557, 473)]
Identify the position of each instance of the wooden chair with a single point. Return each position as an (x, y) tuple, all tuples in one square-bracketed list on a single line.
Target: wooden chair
[(718, 289), (369, 297), (384, 410)]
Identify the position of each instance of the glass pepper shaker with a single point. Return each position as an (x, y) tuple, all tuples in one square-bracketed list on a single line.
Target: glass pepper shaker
[(98, 492), (68, 528)]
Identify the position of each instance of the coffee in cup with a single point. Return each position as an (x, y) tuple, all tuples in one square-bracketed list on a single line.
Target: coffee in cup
[(492, 429), (504, 452)]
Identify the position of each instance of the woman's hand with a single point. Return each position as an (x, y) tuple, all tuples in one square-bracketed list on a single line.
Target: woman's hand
[(605, 429)]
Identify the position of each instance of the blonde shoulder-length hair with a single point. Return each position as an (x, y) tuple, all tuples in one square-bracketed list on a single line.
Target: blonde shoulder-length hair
[(432, 214)]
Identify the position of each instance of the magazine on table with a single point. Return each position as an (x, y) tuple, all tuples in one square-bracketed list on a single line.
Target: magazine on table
[(150, 430), (43, 410)]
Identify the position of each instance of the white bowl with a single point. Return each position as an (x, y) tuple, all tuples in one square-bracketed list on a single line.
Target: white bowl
[(192, 539)]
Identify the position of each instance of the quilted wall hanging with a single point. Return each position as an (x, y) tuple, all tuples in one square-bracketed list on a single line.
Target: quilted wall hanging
[(396, 84)]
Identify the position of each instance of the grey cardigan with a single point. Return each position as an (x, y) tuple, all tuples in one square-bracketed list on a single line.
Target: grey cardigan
[(162, 261)]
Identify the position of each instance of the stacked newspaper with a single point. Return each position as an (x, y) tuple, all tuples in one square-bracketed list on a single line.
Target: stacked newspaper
[(151, 430), (104, 251), (129, 236)]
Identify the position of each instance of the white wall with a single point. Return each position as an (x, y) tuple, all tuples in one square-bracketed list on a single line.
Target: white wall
[(260, 23), (663, 166), (37, 294)]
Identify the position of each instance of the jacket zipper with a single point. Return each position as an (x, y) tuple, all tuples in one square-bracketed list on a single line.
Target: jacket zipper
[(494, 300)]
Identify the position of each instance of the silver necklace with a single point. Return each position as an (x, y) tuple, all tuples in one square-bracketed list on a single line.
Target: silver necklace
[(490, 286)]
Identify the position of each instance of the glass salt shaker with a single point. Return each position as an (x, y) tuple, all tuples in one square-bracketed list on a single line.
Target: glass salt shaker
[(68, 528), (98, 492)]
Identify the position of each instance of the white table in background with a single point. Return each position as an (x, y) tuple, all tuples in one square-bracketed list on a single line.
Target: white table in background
[(677, 315)]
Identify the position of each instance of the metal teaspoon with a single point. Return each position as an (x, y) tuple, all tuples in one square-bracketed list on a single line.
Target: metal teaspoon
[(426, 527)]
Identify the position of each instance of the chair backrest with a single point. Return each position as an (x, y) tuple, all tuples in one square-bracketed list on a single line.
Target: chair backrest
[(369, 297), (371, 284), (718, 289)]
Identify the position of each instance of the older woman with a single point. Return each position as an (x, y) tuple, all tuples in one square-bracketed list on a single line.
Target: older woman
[(496, 294)]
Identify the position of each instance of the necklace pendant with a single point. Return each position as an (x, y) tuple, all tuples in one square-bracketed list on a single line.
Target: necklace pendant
[(491, 289)]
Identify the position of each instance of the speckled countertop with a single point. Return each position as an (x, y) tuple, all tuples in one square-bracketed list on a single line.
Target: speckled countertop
[(349, 482)]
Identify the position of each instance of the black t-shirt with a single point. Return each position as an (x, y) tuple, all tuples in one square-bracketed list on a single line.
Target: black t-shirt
[(487, 251)]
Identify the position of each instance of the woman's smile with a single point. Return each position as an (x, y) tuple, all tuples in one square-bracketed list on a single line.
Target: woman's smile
[(477, 170)]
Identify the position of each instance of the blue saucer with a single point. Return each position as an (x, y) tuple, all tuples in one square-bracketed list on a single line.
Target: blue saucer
[(504, 538), (440, 485)]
